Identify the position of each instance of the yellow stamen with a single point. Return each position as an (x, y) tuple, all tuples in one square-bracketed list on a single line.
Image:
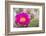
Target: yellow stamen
[(23, 19)]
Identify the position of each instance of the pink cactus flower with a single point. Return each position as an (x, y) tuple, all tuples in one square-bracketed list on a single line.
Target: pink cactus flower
[(23, 19)]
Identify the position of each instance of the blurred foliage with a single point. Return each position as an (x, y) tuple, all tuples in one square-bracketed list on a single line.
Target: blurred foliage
[(32, 16), (34, 23), (18, 10)]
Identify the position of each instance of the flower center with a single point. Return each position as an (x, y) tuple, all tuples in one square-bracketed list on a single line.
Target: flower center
[(22, 19)]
